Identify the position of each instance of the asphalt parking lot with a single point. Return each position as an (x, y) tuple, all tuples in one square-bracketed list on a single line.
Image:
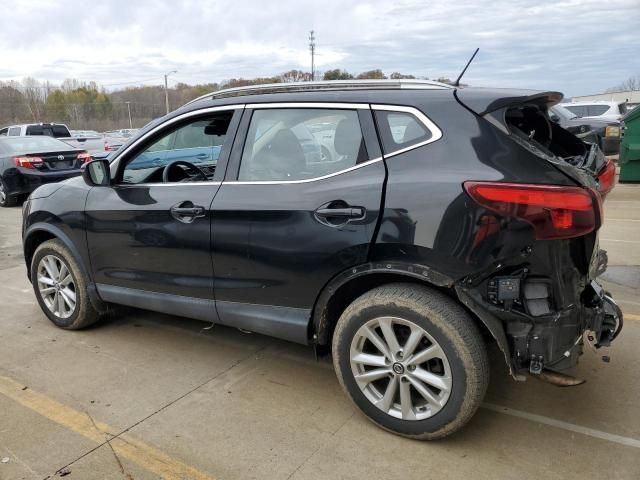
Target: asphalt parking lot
[(148, 396)]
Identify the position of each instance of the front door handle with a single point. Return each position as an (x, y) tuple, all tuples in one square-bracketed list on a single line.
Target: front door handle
[(187, 212)]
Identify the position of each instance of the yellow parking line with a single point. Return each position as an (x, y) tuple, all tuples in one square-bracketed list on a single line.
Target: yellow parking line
[(631, 316), (146, 456)]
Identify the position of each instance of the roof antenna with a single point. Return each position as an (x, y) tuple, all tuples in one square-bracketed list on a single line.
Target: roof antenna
[(457, 82)]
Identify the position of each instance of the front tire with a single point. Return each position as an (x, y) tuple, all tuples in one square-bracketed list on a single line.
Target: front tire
[(412, 360), (61, 288)]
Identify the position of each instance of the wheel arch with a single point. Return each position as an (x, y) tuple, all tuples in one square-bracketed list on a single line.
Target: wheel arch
[(349, 285), (37, 234)]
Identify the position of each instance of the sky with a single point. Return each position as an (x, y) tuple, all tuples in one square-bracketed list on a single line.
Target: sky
[(575, 46)]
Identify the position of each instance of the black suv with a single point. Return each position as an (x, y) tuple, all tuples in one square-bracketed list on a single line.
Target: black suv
[(403, 225)]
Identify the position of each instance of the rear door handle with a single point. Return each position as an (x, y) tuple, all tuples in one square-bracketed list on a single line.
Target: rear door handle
[(348, 212), (187, 212)]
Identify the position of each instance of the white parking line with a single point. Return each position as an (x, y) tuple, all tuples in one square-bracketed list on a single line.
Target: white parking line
[(619, 241), (552, 422)]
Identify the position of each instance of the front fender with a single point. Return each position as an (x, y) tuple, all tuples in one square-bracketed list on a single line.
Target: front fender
[(35, 234), (36, 230)]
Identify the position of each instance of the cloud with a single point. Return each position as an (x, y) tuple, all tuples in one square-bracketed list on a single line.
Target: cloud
[(577, 46)]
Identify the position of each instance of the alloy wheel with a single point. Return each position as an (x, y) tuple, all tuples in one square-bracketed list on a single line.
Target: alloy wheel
[(400, 368), (3, 194), (56, 286)]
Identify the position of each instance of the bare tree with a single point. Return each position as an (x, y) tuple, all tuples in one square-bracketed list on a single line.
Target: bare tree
[(630, 84)]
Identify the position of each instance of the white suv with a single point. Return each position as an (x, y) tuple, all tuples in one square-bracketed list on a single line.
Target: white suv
[(612, 111)]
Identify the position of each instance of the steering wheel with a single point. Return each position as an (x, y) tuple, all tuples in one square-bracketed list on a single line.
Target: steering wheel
[(190, 166)]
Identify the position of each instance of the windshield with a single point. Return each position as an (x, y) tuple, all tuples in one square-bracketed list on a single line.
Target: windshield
[(33, 144), (563, 113)]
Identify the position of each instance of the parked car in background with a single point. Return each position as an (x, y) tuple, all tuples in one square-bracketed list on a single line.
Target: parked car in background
[(85, 133), (112, 143), (123, 132), (56, 130), (612, 111), (28, 162), (450, 216), (605, 133)]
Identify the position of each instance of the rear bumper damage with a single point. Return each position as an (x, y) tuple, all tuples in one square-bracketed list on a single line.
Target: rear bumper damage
[(533, 337)]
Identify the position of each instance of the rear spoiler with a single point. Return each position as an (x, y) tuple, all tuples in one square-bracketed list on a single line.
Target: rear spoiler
[(486, 100)]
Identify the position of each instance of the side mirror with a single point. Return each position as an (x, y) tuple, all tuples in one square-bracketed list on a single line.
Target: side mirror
[(554, 118), (96, 173)]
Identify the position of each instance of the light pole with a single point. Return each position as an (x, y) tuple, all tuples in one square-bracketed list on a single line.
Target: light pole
[(312, 49), (166, 88), (129, 109)]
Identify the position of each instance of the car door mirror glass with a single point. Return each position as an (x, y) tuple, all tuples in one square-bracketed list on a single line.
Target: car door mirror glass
[(97, 174)]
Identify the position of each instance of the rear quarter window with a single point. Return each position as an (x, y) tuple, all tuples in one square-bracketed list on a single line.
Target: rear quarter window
[(400, 130)]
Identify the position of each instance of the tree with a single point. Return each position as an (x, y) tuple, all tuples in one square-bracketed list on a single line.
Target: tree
[(295, 76), (399, 76), (337, 74), (13, 108), (372, 75), (630, 84)]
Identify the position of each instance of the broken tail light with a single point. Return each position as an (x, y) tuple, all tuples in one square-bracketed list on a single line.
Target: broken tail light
[(554, 211), (607, 178), (27, 162)]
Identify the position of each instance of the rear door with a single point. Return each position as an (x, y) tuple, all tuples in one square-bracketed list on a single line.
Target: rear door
[(287, 218)]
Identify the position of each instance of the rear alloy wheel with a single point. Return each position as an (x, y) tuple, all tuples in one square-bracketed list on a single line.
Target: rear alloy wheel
[(404, 372), (60, 287), (412, 360), (5, 199)]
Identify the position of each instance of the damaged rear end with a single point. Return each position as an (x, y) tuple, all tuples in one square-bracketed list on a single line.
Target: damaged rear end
[(542, 302)]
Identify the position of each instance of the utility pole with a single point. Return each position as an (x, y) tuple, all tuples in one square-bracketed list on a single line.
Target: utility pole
[(312, 48), (166, 88), (129, 109)]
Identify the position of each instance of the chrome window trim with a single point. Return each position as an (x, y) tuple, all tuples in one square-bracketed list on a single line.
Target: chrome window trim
[(193, 113), (160, 184), (436, 133), (305, 180), (330, 105)]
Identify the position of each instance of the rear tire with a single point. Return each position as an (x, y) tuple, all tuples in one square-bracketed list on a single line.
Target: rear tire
[(60, 287), (6, 200), (436, 379)]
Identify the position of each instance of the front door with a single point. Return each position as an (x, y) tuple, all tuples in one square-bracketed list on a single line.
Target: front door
[(299, 204), (149, 233)]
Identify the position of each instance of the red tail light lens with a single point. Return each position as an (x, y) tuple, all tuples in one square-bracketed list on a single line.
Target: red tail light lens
[(27, 162), (553, 211), (607, 178), (84, 156)]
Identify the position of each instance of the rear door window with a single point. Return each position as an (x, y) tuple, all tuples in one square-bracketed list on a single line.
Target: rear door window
[(579, 110), (597, 110), (299, 143)]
